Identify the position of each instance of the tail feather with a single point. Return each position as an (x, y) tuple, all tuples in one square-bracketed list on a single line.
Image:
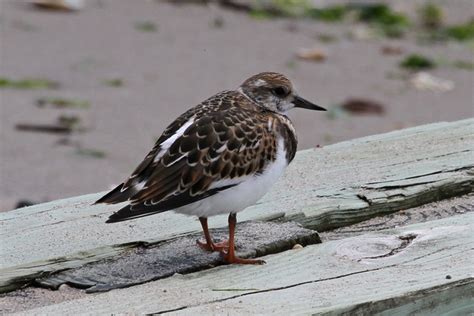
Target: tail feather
[(126, 213), (141, 209), (115, 196)]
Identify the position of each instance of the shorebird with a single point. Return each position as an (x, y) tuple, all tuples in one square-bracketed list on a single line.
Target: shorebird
[(218, 157)]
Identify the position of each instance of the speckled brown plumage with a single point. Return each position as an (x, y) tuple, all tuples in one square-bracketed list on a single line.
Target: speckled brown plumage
[(229, 138), (218, 157)]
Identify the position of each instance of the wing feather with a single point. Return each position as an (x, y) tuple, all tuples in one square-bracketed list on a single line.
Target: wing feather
[(219, 150)]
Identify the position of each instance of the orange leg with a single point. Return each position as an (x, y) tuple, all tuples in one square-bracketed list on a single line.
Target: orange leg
[(209, 245), (229, 256)]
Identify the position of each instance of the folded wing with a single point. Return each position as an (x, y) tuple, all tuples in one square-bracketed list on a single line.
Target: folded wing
[(216, 151)]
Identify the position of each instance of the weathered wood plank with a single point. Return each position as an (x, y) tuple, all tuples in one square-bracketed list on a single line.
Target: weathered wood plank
[(421, 214), (398, 270), (454, 298), (180, 255), (324, 188)]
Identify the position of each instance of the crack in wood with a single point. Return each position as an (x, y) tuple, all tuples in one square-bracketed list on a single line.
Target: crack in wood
[(280, 288), (440, 251), (388, 203), (468, 168), (364, 198), (431, 211), (268, 290)]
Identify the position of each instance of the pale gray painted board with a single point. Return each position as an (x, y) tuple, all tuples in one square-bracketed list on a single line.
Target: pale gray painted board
[(428, 212), (454, 298), (179, 255), (405, 267), (323, 188)]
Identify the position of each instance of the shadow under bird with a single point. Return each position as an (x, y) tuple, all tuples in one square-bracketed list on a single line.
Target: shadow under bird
[(218, 157)]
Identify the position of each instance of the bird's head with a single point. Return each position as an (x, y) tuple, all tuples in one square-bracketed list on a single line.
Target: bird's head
[(275, 92)]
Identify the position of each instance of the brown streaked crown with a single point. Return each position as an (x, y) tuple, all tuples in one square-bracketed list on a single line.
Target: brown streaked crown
[(271, 90)]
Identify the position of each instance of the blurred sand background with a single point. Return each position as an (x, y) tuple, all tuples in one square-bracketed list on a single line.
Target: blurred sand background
[(139, 64)]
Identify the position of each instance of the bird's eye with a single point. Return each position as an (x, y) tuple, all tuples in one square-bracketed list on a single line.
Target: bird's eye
[(280, 91)]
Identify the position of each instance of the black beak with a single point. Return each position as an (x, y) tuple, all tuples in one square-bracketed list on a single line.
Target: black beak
[(302, 103)]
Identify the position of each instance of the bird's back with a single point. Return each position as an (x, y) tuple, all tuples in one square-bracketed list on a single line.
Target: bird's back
[(212, 147)]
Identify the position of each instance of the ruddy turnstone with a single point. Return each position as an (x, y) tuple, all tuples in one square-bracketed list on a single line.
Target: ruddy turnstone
[(220, 156)]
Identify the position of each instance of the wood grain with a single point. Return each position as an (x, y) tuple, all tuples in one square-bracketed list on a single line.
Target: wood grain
[(423, 267), (179, 255), (324, 188)]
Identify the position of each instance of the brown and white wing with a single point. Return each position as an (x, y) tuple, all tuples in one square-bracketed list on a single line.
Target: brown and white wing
[(127, 189), (216, 151)]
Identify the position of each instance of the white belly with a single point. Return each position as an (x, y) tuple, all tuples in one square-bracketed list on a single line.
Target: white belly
[(242, 195)]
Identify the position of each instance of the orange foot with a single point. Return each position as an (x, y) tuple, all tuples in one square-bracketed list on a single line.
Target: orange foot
[(219, 246), (232, 259)]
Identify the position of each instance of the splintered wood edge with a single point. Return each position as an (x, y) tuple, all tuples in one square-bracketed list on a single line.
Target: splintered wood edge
[(387, 201), (23, 275), (439, 299)]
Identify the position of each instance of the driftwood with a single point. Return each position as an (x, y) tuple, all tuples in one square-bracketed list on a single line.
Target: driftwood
[(323, 189)]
